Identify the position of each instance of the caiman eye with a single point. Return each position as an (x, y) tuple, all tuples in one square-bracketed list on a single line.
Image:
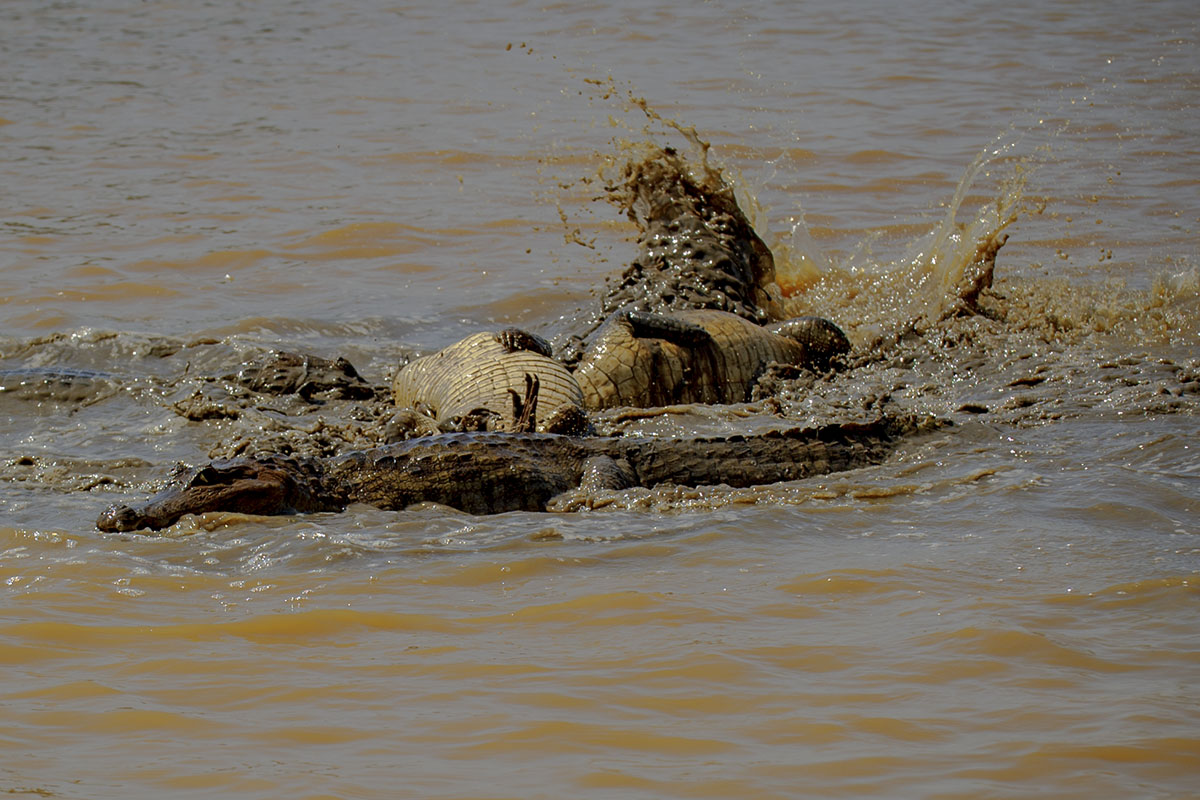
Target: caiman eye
[(207, 477)]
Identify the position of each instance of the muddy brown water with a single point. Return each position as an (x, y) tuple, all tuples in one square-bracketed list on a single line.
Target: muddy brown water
[(1007, 608)]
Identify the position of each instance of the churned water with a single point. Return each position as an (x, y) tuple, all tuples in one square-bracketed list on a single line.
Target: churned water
[(1008, 608)]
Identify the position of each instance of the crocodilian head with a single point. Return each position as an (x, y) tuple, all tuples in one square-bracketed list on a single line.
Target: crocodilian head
[(249, 487)]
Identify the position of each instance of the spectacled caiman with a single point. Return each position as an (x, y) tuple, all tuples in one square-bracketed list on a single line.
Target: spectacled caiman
[(681, 325), (488, 473), (638, 359)]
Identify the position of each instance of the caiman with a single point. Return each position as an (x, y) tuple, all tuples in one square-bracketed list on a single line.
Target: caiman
[(645, 359), (681, 325), (471, 384), (488, 473), (55, 386)]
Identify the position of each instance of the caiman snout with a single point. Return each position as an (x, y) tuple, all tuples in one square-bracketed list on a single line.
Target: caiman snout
[(118, 517), (270, 486)]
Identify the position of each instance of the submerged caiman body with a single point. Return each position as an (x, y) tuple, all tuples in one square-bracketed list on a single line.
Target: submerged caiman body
[(486, 473)]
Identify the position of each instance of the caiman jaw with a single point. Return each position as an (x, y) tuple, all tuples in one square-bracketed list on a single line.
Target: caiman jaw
[(245, 495)]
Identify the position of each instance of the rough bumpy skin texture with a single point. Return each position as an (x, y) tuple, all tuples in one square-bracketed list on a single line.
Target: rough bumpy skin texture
[(480, 373), (695, 357), (66, 386), (697, 249), (488, 473), (308, 376)]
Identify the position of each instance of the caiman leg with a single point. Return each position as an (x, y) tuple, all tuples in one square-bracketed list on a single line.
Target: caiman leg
[(525, 410), (515, 339), (649, 325)]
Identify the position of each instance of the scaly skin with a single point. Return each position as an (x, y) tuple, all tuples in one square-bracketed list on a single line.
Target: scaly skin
[(478, 377), (697, 249), (309, 376), (488, 473), (54, 386), (695, 357)]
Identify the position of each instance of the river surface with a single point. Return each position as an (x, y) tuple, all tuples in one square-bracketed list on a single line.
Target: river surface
[(1008, 608)]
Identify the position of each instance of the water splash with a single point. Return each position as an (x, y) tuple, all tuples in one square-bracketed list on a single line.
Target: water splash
[(942, 273)]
